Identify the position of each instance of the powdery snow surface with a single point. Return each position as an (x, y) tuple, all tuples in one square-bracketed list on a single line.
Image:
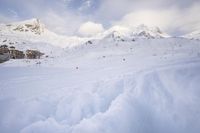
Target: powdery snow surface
[(193, 35), (112, 87), (164, 99), (117, 82)]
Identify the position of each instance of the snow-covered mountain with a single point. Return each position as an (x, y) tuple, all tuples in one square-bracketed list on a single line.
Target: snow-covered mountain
[(33, 34), (32, 26), (193, 35), (143, 31), (34, 31), (120, 81), (120, 33)]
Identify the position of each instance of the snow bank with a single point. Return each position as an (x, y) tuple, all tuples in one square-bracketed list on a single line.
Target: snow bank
[(160, 101), (155, 100)]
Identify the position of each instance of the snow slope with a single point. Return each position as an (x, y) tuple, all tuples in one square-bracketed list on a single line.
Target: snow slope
[(193, 35), (35, 31), (104, 87), (159, 99), (109, 51), (120, 33), (115, 82)]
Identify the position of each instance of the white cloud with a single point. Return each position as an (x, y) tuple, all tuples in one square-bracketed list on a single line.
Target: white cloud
[(90, 28), (180, 16), (190, 19), (55, 15), (65, 23), (162, 19), (171, 20)]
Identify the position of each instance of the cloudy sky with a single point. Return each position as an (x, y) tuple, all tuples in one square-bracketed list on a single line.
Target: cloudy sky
[(72, 17)]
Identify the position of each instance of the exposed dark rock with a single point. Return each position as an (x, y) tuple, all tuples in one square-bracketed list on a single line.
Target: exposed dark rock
[(12, 47), (90, 42), (16, 54), (4, 49), (4, 53), (4, 46), (12, 53), (33, 54), (11, 43)]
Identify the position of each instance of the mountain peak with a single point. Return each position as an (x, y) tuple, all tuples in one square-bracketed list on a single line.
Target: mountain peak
[(130, 33), (28, 26), (144, 31), (145, 27)]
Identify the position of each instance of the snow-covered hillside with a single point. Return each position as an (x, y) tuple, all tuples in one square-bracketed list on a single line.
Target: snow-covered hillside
[(193, 35), (32, 34), (120, 33), (35, 31), (120, 81)]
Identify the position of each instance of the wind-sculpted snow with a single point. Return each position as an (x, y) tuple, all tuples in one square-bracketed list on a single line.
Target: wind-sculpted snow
[(112, 83), (164, 99)]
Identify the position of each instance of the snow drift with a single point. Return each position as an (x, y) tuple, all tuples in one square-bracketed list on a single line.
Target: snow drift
[(160, 100), (120, 81)]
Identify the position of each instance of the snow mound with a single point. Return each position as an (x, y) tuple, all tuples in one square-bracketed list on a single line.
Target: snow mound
[(156, 100)]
